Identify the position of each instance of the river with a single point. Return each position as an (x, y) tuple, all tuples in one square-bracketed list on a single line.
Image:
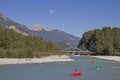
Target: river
[(110, 70)]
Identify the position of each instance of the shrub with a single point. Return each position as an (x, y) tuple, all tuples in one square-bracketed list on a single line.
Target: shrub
[(2, 53)]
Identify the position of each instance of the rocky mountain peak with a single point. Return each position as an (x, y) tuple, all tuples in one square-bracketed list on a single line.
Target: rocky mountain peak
[(39, 27)]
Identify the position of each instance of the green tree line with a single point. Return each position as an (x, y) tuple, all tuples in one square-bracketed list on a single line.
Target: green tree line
[(14, 45), (105, 41)]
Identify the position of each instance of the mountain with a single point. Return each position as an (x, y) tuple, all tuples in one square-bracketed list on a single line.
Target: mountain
[(38, 27), (19, 28), (56, 36), (64, 44)]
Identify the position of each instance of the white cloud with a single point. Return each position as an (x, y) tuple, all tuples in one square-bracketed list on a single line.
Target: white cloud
[(51, 11)]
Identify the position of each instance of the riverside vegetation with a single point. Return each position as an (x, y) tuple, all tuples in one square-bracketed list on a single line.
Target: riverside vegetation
[(105, 41), (14, 45)]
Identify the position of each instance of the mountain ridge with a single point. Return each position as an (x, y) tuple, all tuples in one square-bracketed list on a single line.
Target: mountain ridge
[(54, 35), (38, 27)]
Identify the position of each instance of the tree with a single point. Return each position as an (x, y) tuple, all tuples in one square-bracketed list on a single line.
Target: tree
[(105, 41)]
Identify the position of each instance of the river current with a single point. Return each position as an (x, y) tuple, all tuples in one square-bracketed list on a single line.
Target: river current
[(110, 70)]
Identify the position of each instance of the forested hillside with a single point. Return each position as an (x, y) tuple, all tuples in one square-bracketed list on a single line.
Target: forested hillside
[(105, 41), (14, 45)]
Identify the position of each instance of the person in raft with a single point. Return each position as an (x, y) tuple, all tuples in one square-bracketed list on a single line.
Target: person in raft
[(76, 72)]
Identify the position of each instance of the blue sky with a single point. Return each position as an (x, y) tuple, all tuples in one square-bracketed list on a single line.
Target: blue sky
[(72, 16)]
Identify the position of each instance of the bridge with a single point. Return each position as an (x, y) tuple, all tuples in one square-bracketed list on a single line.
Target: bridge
[(74, 50)]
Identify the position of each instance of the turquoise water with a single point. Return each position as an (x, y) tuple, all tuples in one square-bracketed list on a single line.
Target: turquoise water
[(110, 70)]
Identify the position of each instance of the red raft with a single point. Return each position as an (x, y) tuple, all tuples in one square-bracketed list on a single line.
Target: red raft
[(76, 74)]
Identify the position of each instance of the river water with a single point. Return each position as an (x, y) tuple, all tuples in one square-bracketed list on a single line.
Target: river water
[(110, 70)]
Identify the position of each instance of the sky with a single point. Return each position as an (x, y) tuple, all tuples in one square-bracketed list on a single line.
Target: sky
[(72, 16)]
